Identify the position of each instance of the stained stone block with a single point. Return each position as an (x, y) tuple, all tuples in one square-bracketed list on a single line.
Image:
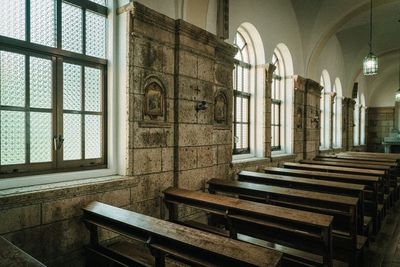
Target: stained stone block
[(195, 134), (150, 137), (205, 156), (149, 207), (71, 207), (222, 137), (187, 111), (146, 161), (223, 75), (224, 154), (167, 157), (205, 69), (195, 179), (221, 171), (151, 186), (19, 218), (168, 60), (147, 55), (188, 88), (187, 158), (187, 64), (153, 31)]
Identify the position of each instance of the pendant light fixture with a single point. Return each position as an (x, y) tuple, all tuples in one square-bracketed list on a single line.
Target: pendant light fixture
[(370, 63)]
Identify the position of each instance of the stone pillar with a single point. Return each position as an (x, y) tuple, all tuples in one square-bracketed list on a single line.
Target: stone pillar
[(312, 120), (180, 104), (300, 113), (332, 97), (269, 71), (349, 105)]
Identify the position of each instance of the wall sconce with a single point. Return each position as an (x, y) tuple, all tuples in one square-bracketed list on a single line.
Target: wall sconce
[(202, 105)]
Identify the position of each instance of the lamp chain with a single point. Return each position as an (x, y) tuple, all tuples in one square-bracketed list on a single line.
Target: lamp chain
[(370, 29)]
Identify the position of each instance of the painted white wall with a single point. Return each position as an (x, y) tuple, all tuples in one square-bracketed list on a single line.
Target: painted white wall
[(383, 86)]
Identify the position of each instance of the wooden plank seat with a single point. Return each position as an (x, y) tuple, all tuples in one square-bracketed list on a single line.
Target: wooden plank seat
[(337, 188), (165, 239), (12, 256), (342, 208), (336, 158), (301, 230), (392, 168), (345, 168), (388, 156), (390, 176), (371, 183)]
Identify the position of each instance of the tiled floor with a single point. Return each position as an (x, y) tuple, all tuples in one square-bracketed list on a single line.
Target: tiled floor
[(385, 249)]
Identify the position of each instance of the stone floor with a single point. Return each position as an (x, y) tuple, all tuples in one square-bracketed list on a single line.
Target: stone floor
[(384, 251)]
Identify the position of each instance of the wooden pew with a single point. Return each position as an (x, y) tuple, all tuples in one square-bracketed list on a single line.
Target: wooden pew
[(162, 238), (322, 186), (391, 156), (12, 256), (299, 232), (390, 176), (372, 183), (346, 241), (389, 182), (337, 158)]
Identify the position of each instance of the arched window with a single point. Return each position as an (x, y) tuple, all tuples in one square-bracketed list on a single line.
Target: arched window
[(242, 95), (362, 120), (248, 94), (337, 115), (281, 101), (357, 121), (325, 104)]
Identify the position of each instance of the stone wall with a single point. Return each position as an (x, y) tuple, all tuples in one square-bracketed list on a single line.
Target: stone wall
[(172, 67), (380, 125)]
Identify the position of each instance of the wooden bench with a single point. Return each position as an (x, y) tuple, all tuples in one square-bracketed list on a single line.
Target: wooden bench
[(385, 200), (388, 156), (322, 186), (337, 158), (299, 232), (165, 239), (342, 208), (12, 256), (390, 176), (371, 183)]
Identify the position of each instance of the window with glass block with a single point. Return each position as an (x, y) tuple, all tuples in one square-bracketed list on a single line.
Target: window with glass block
[(52, 86), (242, 97)]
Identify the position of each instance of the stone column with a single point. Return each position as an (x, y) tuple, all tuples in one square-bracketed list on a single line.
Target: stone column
[(269, 71), (312, 120), (332, 97), (350, 119), (300, 114)]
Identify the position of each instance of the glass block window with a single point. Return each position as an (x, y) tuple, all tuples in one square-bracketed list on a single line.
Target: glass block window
[(43, 22), (242, 97), (95, 35), (12, 14), (52, 104), (277, 93), (72, 23)]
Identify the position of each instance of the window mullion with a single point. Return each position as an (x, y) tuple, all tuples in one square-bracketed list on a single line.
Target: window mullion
[(59, 111), (59, 23), (83, 112)]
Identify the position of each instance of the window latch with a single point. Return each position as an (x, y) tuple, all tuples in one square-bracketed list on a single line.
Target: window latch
[(58, 142)]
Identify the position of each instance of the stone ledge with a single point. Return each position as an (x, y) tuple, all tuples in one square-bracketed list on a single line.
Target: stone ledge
[(39, 193)]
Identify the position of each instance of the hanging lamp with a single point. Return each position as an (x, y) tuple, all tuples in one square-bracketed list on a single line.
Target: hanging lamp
[(370, 63)]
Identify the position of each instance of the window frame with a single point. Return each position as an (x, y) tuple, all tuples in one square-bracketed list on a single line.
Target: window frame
[(241, 94), (58, 56)]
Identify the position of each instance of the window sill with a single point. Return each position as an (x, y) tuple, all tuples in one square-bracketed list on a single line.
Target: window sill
[(282, 156), (27, 195)]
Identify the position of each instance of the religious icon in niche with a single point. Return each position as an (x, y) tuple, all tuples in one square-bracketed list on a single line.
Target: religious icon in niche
[(220, 107), (299, 118), (154, 100)]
